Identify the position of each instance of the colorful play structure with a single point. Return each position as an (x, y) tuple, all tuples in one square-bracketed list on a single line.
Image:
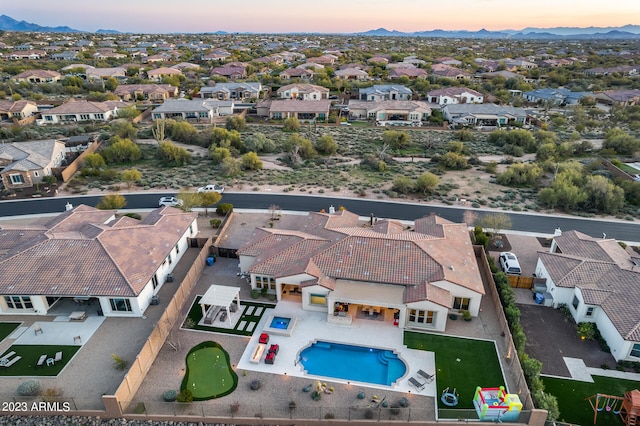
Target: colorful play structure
[(494, 404), (627, 406)]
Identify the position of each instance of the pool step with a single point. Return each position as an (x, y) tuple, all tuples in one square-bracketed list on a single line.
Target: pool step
[(323, 345)]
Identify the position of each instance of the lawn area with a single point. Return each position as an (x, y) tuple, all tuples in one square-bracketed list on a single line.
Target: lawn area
[(30, 355), (245, 321), (209, 372), (6, 328), (461, 363), (571, 396)]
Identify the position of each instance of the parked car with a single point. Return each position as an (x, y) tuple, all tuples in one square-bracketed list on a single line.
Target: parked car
[(170, 201), (509, 263), (212, 188)]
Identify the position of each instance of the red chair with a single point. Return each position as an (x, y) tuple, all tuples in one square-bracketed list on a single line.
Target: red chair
[(264, 338), (270, 358), (274, 348)]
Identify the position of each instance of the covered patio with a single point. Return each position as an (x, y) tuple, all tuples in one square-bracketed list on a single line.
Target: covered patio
[(351, 298), (219, 300)]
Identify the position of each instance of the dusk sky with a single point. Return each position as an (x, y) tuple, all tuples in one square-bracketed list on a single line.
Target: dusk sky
[(327, 16)]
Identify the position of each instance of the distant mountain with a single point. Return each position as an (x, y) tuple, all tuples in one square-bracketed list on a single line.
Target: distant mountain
[(7, 23), (566, 31), (101, 31)]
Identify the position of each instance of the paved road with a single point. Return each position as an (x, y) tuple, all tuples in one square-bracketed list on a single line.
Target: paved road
[(545, 224)]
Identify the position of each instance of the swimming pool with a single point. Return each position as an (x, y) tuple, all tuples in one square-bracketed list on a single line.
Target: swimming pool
[(349, 362), (281, 323)]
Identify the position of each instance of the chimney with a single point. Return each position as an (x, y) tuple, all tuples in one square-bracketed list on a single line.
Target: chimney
[(332, 210)]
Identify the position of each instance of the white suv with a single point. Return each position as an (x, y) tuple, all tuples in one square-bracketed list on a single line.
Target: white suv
[(212, 188), (509, 263), (170, 201)]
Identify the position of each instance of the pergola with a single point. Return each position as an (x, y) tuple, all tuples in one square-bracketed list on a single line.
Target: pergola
[(219, 296)]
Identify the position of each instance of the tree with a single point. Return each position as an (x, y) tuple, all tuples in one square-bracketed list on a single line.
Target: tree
[(397, 139), (183, 131), (121, 150), (299, 147), (291, 124), (124, 129), (128, 112), (452, 161), (621, 142), (171, 154), (218, 154), (111, 202), (111, 84), (251, 161), (521, 174), (131, 176), (494, 223), (427, 182), (258, 142), (603, 195), (191, 199), (230, 167), (236, 123), (94, 161), (208, 199), (327, 145)]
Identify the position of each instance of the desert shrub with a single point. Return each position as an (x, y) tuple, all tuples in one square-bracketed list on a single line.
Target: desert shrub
[(255, 384), (51, 394), (118, 362), (255, 293), (394, 408), (586, 330), (368, 414), (185, 395), (403, 402), (329, 416), (224, 208), (29, 388), (215, 223), (170, 395), (235, 407)]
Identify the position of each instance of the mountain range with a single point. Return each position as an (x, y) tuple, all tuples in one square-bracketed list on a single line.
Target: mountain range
[(7, 23)]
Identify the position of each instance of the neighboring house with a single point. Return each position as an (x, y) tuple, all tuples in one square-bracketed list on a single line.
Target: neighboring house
[(159, 73), (17, 109), (76, 111), (623, 98), (37, 76), (230, 72), (406, 112), (302, 91), (186, 66), (86, 253), (385, 92), (196, 109), (329, 263), (559, 96), (106, 73), (67, 55), (327, 59), (410, 73), (624, 70), (490, 115), (243, 91), (352, 74), (279, 109), (24, 164), (598, 282), (27, 54), (447, 71), (151, 92), (454, 95), (300, 73), (101, 56)]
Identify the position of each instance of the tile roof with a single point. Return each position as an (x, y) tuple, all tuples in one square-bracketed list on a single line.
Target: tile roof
[(303, 88), (85, 251), (584, 246), (86, 107), (31, 155), (298, 105)]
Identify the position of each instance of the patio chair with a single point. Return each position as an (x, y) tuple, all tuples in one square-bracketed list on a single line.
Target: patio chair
[(264, 338), (58, 356), (41, 360), (37, 329), (13, 361), (7, 355), (418, 384), (428, 377)]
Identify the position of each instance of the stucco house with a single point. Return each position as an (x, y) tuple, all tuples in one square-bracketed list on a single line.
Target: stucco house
[(37, 76), (77, 111), (598, 282), (151, 92), (305, 111), (159, 73), (408, 112), (623, 98), (17, 109), (385, 92), (410, 73), (89, 255), (490, 115), (455, 95), (559, 96), (196, 109), (329, 262), (302, 91), (301, 73), (352, 74), (24, 164), (105, 73), (235, 90)]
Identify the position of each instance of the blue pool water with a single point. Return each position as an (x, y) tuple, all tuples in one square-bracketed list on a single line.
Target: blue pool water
[(280, 322), (357, 363)]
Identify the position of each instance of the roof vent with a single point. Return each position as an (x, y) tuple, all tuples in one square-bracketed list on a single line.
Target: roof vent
[(452, 268)]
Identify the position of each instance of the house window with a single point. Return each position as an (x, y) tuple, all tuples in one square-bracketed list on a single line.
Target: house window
[(85, 117), (318, 299), (590, 310), (177, 248), (191, 229), (169, 258), (48, 117), (635, 351), (575, 303), (16, 179), (154, 280), (36, 174), (120, 305), (266, 282), (461, 303), (419, 316), (18, 302), (99, 116), (277, 115)]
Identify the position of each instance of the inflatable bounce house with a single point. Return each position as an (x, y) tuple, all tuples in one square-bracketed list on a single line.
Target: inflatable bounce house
[(494, 404)]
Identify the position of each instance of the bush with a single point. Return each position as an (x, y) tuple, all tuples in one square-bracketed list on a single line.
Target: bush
[(403, 402), (215, 223), (329, 416), (51, 394), (170, 395), (29, 388), (316, 396), (395, 408), (586, 330), (224, 208), (119, 362), (255, 384), (185, 395), (255, 293)]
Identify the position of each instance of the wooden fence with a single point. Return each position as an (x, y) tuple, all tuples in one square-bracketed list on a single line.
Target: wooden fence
[(69, 171), (517, 281)]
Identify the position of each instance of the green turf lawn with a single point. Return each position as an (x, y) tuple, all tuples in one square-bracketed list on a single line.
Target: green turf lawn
[(209, 373), (571, 396), (6, 328), (195, 313), (478, 365), (26, 366)]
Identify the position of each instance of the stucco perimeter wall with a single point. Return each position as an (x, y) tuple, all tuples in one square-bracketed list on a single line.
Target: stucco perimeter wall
[(116, 404)]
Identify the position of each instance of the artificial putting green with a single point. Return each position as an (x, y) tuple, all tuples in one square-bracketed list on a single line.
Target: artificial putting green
[(208, 372)]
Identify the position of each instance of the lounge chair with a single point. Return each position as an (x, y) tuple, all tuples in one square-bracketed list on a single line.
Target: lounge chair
[(58, 356), (428, 377), (415, 382), (7, 355), (264, 338), (41, 360), (13, 361)]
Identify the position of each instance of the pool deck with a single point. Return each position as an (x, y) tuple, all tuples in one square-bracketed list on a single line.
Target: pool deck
[(312, 326)]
